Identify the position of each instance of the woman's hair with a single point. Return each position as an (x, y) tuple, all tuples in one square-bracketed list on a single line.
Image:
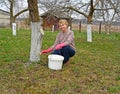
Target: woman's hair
[(63, 21)]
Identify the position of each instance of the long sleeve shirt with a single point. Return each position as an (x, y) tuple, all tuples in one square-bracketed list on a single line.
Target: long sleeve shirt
[(65, 37)]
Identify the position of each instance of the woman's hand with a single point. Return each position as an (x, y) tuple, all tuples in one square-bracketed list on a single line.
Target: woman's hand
[(46, 51)]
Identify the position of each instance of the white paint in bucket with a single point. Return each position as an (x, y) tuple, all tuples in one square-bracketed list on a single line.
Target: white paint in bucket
[(55, 62)]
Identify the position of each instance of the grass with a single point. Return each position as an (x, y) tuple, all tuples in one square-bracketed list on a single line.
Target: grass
[(95, 69)]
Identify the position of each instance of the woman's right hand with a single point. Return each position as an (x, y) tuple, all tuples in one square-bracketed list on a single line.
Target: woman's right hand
[(46, 51)]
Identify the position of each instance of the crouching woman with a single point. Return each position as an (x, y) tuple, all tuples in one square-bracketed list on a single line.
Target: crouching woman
[(64, 44)]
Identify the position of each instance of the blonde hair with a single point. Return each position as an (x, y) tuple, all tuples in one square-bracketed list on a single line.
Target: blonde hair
[(63, 21)]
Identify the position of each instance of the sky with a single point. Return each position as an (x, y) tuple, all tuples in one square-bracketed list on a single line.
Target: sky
[(25, 5)]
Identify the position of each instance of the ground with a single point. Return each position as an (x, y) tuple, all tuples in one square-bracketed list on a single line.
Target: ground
[(95, 69)]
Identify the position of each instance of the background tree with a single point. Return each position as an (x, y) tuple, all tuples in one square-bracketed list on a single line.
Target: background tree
[(89, 9), (54, 6), (11, 6), (109, 12), (57, 8), (86, 9)]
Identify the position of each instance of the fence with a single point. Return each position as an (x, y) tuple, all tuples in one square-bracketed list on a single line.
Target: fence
[(95, 27)]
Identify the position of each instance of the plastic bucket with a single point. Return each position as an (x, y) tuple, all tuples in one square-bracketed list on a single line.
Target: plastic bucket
[(55, 62)]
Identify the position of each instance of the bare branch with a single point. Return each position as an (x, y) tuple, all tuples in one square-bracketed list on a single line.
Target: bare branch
[(76, 10), (20, 12)]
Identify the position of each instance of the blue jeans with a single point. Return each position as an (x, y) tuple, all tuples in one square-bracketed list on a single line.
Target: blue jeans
[(66, 52)]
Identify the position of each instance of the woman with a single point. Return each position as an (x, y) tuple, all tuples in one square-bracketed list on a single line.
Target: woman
[(64, 43)]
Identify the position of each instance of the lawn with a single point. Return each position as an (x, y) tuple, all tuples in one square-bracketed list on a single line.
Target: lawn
[(95, 69)]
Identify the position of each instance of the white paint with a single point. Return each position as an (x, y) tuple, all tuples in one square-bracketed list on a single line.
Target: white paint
[(41, 30), (36, 41), (53, 28), (14, 29), (89, 33), (69, 27)]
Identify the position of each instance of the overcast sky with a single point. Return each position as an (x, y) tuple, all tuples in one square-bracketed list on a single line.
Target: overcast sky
[(24, 4)]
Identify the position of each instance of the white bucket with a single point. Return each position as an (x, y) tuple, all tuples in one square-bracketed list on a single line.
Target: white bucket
[(55, 62)]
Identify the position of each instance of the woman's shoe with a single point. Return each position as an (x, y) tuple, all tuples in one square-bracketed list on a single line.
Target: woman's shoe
[(67, 63)]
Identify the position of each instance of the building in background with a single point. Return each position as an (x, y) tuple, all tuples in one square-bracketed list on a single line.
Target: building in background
[(4, 18), (51, 20)]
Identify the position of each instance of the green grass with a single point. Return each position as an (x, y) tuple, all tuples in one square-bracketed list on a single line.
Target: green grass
[(95, 69)]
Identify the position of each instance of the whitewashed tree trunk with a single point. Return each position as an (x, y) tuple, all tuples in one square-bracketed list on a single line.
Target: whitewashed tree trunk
[(14, 29), (53, 28), (69, 27), (89, 33), (36, 41)]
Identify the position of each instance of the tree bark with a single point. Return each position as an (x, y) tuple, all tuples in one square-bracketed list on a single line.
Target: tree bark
[(36, 31), (12, 19), (89, 33), (33, 10), (36, 41)]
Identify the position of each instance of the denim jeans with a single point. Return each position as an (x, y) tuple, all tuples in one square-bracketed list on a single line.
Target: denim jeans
[(66, 52)]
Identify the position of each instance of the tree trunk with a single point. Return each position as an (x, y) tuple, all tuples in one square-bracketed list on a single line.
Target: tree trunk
[(11, 13), (14, 29), (89, 33), (33, 10), (36, 41), (36, 31), (89, 28)]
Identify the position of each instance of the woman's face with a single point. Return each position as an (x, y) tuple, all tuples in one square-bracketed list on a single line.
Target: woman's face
[(63, 27)]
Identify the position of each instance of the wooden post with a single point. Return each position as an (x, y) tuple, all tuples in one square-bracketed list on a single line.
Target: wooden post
[(79, 26), (100, 28)]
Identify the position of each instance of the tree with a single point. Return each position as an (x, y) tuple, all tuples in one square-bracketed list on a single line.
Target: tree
[(67, 5), (57, 8), (88, 13), (10, 5), (109, 12), (89, 8), (36, 29)]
